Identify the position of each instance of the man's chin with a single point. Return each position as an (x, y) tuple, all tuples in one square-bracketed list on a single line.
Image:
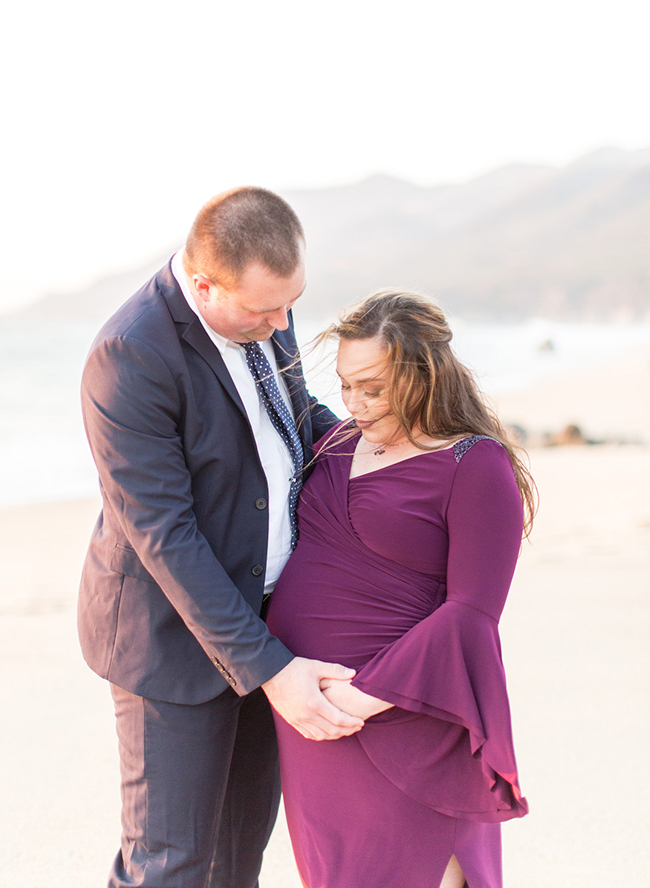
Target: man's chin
[(253, 336), (261, 335)]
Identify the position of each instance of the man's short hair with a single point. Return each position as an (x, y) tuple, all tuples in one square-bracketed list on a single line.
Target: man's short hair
[(242, 227)]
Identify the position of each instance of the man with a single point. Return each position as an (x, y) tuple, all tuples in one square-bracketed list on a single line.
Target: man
[(200, 443)]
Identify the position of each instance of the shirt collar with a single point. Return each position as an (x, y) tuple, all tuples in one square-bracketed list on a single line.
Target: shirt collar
[(178, 271)]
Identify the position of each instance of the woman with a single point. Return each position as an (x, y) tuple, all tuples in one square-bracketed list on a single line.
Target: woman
[(410, 528)]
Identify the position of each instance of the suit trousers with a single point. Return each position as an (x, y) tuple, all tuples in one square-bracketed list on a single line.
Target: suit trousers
[(200, 791)]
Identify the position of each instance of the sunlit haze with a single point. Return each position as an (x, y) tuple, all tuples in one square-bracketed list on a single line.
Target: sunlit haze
[(122, 119)]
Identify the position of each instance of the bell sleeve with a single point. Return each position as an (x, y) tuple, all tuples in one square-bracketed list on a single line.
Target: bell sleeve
[(448, 741)]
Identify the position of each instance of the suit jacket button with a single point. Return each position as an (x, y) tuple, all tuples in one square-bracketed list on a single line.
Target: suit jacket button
[(257, 570), (260, 503)]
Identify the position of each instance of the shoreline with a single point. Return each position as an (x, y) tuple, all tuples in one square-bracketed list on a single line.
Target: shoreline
[(607, 402)]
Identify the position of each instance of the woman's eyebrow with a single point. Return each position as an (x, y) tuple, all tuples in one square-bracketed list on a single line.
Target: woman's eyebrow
[(376, 378), (364, 381)]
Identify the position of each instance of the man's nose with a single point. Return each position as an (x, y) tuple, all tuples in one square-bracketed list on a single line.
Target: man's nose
[(279, 319)]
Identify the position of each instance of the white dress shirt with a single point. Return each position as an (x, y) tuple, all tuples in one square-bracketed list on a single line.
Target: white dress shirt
[(273, 452)]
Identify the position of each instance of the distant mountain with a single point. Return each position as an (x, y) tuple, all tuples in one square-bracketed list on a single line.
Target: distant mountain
[(98, 301), (571, 243)]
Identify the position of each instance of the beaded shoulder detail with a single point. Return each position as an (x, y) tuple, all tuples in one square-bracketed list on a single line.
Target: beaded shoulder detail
[(460, 448)]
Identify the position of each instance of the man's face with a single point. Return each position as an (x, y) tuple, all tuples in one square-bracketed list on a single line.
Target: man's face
[(254, 307)]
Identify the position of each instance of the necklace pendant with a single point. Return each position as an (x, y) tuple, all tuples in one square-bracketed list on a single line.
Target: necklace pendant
[(379, 451)]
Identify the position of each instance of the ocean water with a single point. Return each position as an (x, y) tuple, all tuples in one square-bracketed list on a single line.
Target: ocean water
[(44, 455)]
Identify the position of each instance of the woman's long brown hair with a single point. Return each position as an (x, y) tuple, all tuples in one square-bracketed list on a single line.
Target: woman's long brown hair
[(430, 390)]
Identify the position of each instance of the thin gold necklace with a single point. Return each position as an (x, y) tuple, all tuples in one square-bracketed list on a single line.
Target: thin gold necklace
[(381, 448)]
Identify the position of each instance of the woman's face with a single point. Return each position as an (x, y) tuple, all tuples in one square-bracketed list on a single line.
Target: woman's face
[(364, 373)]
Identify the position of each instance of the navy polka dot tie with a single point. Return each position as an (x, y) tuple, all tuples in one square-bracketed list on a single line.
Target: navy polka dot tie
[(281, 419)]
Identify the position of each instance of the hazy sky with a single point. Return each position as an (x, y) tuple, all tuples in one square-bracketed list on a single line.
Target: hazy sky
[(121, 119)]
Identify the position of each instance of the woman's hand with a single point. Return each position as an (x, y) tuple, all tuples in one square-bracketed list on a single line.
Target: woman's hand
[(350, 699), (295, 693)]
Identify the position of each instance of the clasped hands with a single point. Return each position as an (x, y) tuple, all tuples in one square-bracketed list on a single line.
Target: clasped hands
[(318, 700)]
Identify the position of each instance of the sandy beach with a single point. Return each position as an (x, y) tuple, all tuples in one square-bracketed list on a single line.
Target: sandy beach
[(575, 647)]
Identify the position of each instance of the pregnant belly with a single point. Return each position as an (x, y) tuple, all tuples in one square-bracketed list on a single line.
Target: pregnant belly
[(331, 606)]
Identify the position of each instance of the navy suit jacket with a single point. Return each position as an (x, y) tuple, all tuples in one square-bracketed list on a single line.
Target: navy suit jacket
[(173, 580)]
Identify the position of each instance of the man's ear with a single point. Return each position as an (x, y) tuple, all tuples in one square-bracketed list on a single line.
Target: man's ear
[(202, 284)]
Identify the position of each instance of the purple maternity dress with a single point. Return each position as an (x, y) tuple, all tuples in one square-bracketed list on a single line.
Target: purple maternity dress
[(402, 574)]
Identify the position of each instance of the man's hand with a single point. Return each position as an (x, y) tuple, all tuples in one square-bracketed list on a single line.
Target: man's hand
[(350, 699), (295, 693)]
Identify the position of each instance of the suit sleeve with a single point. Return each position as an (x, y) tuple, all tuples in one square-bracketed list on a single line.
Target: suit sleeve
[(322, 418), (131, 406), (448, 667)]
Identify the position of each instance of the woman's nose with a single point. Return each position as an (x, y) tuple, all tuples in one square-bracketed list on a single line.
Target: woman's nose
[(355, 402)]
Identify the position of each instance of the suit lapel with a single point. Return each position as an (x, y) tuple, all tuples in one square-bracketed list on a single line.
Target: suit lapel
[(196, 336), (193, 333), (287, 356)]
